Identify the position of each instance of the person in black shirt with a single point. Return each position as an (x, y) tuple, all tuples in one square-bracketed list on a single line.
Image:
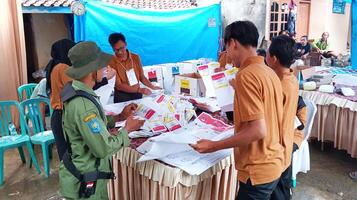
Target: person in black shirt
[(303, 48)]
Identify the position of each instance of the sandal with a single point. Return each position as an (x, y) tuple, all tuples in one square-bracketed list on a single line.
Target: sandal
[(353, 175)]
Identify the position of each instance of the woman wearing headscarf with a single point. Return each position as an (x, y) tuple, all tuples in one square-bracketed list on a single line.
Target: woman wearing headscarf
[(56, 76), (57, 79), (55, 71)]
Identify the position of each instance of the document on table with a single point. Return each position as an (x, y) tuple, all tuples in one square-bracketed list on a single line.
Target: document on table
[(105, 91), (172, 143), (117, 108), (174, 149), (205, 120), (345, 79), (195, 163), (157, 150), (212, 104)]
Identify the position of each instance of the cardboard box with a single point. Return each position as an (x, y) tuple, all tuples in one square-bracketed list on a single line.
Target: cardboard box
[(187, 67), (154, 74), (189, 84), (196, 62), (169, 71)]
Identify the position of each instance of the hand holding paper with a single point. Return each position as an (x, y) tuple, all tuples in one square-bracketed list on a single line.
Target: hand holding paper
[(128, 110), (157, 88), (109, 72), (144, 91), (204, 146), (133, 124)]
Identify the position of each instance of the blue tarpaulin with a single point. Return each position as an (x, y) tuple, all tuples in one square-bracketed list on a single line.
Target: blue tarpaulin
[(354, 35), (157, 36)]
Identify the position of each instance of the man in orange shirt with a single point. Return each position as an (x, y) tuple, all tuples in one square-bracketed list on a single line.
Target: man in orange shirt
[(257, 116), (301, 114), (129, 72), (280, 56)]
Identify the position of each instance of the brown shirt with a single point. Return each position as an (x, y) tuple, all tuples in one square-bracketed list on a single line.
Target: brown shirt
[(121, 67), (299, 135), (258, 95), (58, 80), (290, 88)]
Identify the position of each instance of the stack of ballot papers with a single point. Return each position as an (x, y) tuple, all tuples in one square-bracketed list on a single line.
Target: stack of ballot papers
[(162, 113), (173, 148)]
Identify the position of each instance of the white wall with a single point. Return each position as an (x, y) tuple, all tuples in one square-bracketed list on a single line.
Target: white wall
[(252, 10), (322, 19), (47, 28)]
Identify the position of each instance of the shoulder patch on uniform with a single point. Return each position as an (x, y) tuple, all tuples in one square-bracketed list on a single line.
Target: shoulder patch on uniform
[(89, 117), (94, 125)]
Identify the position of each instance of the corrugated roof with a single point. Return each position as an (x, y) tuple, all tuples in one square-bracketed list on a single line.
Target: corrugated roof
[(47, 3), (154, 4), (147, 4)]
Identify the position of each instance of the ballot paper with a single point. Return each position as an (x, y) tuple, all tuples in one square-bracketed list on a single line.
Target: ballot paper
[(205, 71), (345, 79), (172, 143), (205, 120), (105, 91), (171, 123), (117, 108), (194, 163), (212, 103), (157, 125), (174, 149), (141, 134), (223, 90), (145, 111)]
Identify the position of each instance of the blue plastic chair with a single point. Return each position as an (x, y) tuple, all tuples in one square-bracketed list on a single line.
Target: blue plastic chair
[(38, 133), (8, 141), (28, 89)]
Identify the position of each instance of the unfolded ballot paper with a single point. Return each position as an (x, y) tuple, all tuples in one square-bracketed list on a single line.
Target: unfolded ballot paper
[(223, 90), (205, 71), (173, 148)]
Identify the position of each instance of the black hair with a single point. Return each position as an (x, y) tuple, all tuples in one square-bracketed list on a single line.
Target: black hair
[(262, 52), (282, 31), (305, 36), (283, 47), (116, 37), (245, 32)]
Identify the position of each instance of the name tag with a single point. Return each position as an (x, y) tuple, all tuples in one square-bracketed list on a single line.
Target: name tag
[(131, 77)]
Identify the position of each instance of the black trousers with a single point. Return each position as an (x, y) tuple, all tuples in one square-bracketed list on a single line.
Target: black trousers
[(56, 125), (229, 115), (282, 190), (120, 96), (247, 191)]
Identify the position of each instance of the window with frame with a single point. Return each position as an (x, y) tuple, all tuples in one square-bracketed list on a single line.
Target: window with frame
[(279, 13)]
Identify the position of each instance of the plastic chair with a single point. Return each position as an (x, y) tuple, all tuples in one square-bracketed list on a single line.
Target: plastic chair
[(8, 141), (38, 134), (28, 88), (301, 157)]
